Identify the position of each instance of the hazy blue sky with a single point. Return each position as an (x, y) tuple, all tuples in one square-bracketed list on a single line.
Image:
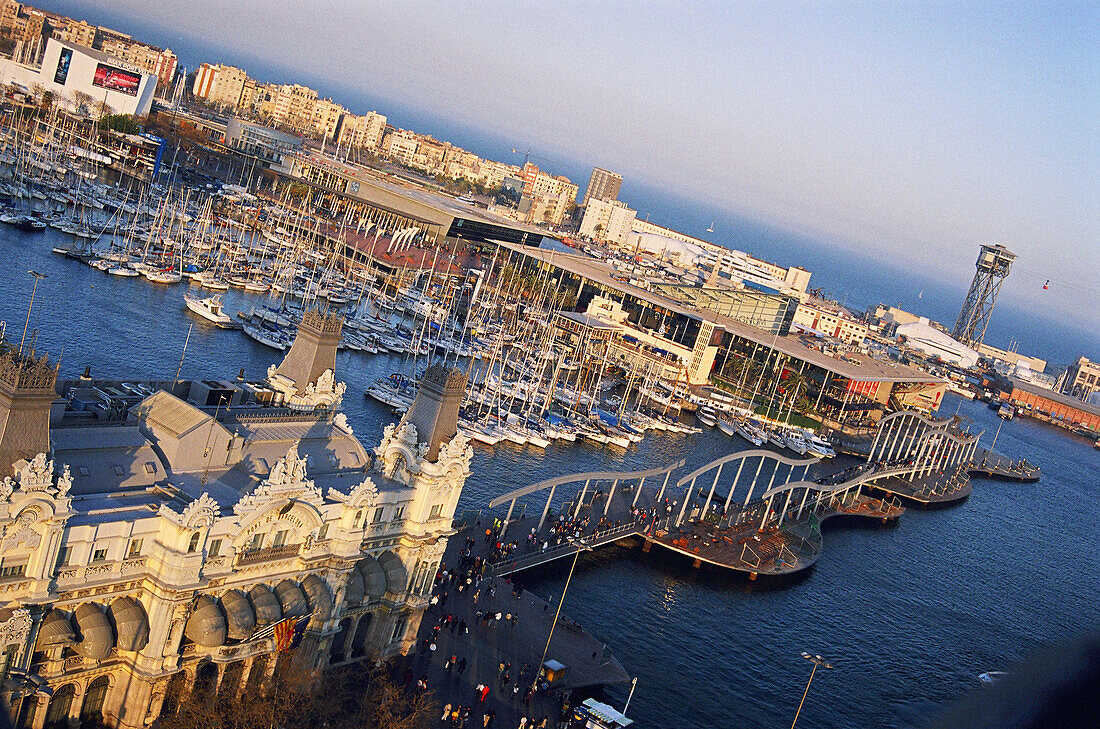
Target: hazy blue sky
[(910, 130)]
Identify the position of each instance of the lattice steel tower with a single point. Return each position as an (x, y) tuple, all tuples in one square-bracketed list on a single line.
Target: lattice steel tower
[(993, 265)]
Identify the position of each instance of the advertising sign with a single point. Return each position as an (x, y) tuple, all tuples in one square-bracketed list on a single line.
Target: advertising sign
[(63, 62), (115, 79)]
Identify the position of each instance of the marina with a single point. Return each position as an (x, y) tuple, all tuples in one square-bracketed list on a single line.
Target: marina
[(149, 311)]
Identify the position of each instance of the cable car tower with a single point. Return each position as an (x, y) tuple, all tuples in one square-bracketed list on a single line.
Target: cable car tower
[(993, 265)]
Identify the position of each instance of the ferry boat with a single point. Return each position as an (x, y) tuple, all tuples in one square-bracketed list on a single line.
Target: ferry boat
[(211, 310)]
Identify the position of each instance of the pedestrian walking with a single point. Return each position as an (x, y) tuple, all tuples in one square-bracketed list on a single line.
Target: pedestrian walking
[(461, 665)]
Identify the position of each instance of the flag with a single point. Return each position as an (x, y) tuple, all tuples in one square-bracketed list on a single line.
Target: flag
[(288, 632)]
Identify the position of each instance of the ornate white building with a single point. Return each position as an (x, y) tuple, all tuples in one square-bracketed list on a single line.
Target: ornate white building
[(146, 533)]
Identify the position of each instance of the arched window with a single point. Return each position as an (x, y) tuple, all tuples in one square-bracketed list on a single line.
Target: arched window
[(193, 545), (91, 711), (359, 642), (57, 714)]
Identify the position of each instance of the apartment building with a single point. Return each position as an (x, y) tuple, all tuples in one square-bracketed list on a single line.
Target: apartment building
[(608, 221), (364, 131), (327, 115)]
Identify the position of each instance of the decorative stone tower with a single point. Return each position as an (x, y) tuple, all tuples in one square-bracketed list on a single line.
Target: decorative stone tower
[(434, 413), (307, 375), (26, 392)]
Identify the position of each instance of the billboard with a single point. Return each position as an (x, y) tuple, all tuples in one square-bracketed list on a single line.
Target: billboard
[(115, 79), (63, 62)]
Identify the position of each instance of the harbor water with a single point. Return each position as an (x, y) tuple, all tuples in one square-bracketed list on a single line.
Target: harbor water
[(909, 614)]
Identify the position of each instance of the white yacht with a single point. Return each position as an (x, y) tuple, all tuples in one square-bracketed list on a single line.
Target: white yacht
[(210, 309)]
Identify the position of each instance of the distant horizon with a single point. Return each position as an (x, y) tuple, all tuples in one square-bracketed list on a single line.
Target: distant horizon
[(949, 272)]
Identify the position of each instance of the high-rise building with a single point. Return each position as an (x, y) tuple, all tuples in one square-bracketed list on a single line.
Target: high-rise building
[(602, 185), (993, 265)]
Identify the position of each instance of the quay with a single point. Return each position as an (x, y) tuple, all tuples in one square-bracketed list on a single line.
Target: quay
[(763, 518)]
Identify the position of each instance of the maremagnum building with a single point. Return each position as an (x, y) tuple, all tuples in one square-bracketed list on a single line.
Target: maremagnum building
[(151, 529), (698, 334)]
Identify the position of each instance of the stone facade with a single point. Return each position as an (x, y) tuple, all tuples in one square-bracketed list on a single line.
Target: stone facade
[(123, 596)]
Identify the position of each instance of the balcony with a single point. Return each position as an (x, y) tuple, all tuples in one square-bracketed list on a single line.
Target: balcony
[(270, 554)]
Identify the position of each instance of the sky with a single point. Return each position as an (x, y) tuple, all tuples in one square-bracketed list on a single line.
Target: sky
[(911, 132)]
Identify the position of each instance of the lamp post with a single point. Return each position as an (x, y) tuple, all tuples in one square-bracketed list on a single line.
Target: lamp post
[(37, 277), (582, 547), (817, 661), (994, 444)]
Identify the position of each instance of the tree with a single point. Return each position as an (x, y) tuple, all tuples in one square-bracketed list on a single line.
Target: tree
[(125, 123), (350, 697)]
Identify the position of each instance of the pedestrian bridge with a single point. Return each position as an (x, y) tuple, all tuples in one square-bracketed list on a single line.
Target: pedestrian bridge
[(754, 511)]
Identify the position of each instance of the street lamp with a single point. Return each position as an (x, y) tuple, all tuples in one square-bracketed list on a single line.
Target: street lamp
[(817, 661), (581, 547), (37, 277)]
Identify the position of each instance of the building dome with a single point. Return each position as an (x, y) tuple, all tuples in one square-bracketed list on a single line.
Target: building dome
[(240, 619), (131, 624), (265, 605), (94, 632), (374, 578), (206, 626), (320, 599), (55, 630), (291, 599)]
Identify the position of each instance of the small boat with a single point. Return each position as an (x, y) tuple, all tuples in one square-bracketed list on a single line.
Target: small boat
[(991, 677), (1006, 411), (123, 270), (211, 310), (751, 432), (795, 441), (706, 415), (818, 446)]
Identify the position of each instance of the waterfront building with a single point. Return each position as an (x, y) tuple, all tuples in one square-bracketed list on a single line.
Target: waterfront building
[(383, 209), (921, 335), (363, 132), (740, 338), (1014, 359), (222, 86), (292, 106), (552, 197), (400, 146), (830, 319), (327, 115), (1082, 378), (80, 33), (70, 71), (151, 529), (269, 147), (607, 221), (602, 185), (1053, 407)]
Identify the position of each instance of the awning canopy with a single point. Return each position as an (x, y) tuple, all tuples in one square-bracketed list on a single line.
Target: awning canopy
[(356, 589), (265, 605), (320, 599), (291, 599), (240, 620), (396, 576), (94, 632), (131, 624), (55, 630), (374, 578), (206, 626)]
